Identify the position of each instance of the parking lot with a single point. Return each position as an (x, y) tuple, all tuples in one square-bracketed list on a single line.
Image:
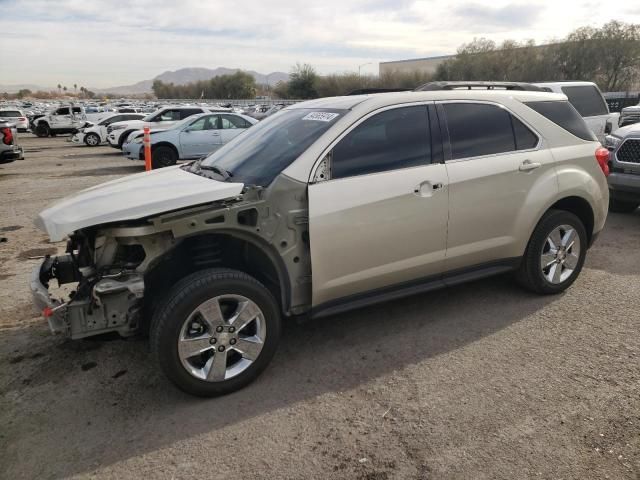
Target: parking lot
[(482, 381)]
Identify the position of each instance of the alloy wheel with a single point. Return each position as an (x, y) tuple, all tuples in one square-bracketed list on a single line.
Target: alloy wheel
[(560, 254), (221, 338)]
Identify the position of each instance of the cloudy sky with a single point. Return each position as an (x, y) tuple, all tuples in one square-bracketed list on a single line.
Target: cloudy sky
[(100, 43)]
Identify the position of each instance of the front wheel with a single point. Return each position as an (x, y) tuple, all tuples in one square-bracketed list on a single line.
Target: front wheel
[(555, 254), (92, 139), (163, 156), (217, 332)]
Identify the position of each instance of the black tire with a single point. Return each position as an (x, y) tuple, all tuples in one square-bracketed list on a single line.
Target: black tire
[(621, 206), (42, 130), (163, 156), (122, 138), (182, 300), (94, 137), (530, 274)]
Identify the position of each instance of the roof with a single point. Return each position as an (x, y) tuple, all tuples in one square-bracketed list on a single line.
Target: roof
[(383, 99)]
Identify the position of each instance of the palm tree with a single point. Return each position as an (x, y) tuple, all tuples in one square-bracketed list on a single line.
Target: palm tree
[(59, 88), (65, 89), (75, 87)]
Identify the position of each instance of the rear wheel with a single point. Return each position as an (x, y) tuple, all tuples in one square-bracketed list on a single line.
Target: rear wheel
[(555, 253), (42, 130), (92, 139), (620, 206), (163, 156), (218, 330)]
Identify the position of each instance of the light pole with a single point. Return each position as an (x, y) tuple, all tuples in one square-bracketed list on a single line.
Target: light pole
[(363, 65)]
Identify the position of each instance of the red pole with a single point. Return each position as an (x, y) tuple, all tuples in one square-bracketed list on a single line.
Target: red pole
[(146, 140)]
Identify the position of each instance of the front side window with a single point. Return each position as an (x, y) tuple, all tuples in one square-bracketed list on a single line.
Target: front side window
[(168, 116), (204, 123), (477, 129), (259, 155), (390, 140), (587, 100)]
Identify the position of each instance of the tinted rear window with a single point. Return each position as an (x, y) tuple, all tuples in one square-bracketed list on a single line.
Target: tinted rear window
[(587, 100), (9, 114), (565, 116)]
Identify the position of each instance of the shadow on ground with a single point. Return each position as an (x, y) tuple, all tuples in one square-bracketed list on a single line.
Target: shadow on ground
[(123, 403)]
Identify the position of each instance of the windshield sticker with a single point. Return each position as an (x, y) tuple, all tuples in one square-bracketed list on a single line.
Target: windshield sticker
[(321, 116)]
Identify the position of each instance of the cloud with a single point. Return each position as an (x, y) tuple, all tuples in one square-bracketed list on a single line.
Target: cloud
[(509, 16), (102, 43)]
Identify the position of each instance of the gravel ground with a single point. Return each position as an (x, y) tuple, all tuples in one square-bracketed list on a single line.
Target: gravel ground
[(482, 381)]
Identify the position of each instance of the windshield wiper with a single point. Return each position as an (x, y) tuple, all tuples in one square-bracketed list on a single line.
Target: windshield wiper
[(214, 168)]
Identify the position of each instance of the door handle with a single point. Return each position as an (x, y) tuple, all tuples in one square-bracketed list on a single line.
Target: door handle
[(426, 189), (528, 165), (216, 134)]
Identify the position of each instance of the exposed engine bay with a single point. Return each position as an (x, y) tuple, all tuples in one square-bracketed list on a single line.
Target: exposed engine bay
[(118, 271)]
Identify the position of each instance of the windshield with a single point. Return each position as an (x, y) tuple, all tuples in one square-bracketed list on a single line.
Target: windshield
[(257, 156)]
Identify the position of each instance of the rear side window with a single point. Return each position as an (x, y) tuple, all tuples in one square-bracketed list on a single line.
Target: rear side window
[(525, 138), (565, 116), (63, 111), (477, 129), (587, 100), (187, 112), (393, 139)]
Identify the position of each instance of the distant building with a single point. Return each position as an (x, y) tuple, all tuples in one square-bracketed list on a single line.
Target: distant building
[(426, 65)]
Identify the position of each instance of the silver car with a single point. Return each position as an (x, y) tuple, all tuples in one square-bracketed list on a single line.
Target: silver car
[(326, 206), (191, 138)]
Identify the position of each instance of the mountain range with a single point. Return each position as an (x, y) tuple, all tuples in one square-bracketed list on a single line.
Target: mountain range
[(178, 77)]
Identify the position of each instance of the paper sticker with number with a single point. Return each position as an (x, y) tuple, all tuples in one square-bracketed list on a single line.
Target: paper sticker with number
[(320, 116)]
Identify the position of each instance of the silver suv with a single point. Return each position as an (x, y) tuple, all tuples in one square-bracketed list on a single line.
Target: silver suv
[(323, 207)]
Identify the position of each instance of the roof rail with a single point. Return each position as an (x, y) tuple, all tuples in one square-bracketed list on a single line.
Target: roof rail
[(478, 85), (369, 91)]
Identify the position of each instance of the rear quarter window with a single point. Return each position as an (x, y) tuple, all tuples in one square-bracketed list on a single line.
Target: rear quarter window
[(587, 100), (565, 116)]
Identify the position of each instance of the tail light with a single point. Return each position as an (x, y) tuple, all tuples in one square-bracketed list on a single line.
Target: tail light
[(602, 156), (8, 135), (22, 119)]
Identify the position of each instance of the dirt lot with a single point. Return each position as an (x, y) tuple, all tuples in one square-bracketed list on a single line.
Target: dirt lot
[(483, 381)]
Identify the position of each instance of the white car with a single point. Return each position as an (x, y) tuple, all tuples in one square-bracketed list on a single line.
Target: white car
[(192, 138), (162, 118), (17, 117), (94, 135), (590, 104)]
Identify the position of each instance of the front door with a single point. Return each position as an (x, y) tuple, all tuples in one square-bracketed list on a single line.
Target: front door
[(200, 138), (380, 220)]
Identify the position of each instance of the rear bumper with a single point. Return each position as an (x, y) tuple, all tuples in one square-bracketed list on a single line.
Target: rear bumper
[(624, 186)]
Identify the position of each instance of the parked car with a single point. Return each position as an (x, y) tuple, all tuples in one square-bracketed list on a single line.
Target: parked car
[(162, 118), (329, 205), (588, 100), (16, 117), (191, 138), (630, 115), (66, 119), (624, 180), (9, 148), (93, 135)]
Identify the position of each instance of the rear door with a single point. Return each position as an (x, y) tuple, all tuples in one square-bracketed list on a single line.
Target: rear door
[(493, 162), (231, 126), (380, 219), (589, 102)]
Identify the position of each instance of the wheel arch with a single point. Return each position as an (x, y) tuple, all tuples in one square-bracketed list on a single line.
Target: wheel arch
[(228, 248), (166, 143)]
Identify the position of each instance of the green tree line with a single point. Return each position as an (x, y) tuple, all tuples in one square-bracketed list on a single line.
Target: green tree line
[(237, 85)]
